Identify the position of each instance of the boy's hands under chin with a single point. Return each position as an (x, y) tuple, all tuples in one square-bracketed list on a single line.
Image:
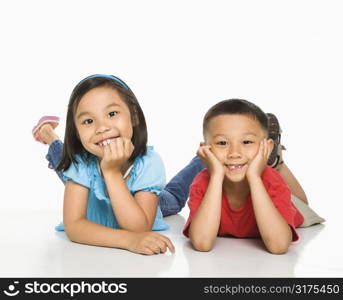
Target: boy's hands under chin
[(210, 160), (259, 162), (116, 154)]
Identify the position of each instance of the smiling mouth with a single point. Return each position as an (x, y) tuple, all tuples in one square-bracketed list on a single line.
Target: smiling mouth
[(105, 142), (234, 167)]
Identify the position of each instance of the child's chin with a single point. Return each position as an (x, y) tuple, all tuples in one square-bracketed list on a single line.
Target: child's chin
[(235, 177), (97, 152)]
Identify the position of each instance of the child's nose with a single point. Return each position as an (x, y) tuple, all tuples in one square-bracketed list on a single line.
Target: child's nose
[(102, 126), (234, 151), (102, 129)]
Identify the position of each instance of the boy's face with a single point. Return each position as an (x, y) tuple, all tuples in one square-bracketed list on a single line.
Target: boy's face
[(235, 140)]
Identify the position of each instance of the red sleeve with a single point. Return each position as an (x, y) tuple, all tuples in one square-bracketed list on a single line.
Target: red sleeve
[(196, 194), (280, 194)]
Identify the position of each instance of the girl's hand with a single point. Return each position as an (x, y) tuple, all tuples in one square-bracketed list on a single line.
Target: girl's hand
[(210, 160), (116, 154), (149, 243), (259, 162)]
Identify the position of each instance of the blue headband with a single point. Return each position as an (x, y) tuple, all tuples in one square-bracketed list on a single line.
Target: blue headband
[(122, 83)]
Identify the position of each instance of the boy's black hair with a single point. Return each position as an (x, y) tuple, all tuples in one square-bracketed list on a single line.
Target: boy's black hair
[(72, 143), (236, 107)]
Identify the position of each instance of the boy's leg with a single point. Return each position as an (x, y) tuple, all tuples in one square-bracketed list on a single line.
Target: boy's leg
[(292, 182), (175, 194), (276, 160)]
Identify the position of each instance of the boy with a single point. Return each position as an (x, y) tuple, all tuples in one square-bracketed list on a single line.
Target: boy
[(238, 194)]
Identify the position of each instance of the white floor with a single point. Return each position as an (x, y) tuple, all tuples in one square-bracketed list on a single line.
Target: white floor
[(31, 248)]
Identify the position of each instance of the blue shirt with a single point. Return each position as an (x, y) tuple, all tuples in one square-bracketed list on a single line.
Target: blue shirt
[(146, 174)]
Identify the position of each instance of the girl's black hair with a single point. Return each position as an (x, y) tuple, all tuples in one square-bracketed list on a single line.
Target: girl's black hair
[(236, 107), (72, 143)]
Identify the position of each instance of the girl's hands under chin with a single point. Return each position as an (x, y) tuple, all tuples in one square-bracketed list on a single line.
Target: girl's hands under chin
[(116, 154)]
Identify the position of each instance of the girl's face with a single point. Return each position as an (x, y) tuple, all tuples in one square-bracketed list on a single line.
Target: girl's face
[(101, 115)]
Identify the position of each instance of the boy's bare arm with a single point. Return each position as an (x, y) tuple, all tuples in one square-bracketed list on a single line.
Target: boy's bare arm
[(203, 230), (205, 224), (275, 232)]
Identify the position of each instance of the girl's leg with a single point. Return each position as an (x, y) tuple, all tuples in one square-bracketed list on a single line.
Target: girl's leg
[(175, 194), (54, 156)]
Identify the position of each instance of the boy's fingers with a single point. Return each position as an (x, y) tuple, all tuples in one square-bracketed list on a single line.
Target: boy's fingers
[(267, 151), (208, 152), (200, 152), (260, 150)]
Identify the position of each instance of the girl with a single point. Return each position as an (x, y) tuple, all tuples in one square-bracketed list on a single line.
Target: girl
[(112, 179)]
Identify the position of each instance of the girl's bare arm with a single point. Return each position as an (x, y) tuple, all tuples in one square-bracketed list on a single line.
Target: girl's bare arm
[(81, 230)]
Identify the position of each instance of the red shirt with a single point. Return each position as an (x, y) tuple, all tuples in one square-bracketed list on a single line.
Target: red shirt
[(241, 222)]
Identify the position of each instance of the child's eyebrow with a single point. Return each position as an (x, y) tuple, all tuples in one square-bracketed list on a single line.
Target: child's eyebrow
[(88, 113), (220, 135), (250, 133)]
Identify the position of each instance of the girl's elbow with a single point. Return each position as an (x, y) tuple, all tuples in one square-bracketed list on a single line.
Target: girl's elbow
[(70, 233), (70, 229)]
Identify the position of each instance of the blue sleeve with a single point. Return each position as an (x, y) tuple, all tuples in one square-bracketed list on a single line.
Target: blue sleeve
[(149, 174), (78, 173)]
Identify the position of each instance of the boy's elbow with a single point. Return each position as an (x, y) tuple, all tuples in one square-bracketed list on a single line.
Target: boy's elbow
[(278, 247), (202, 245)]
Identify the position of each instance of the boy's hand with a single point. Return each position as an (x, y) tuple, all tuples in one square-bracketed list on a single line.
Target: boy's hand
[(259, 162), (116, 154), (210, 160), (149, 243)]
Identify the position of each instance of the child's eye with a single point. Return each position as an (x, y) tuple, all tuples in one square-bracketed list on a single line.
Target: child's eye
[(113, 113), (87, 122), (247, 142), (222, 143)]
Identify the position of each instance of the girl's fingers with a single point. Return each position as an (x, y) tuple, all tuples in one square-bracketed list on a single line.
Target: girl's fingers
[(168, 243), (147, 251), (162, 245), (119, 147), (153, 246), (107, 151), (128, 147)]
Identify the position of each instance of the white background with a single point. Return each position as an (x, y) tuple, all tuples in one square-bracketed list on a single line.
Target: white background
[(179, 58)]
